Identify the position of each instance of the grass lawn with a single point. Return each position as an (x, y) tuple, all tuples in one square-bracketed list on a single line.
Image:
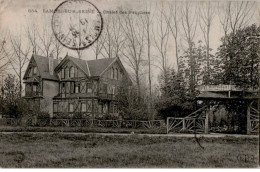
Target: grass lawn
[(83, 129), (88, 151)]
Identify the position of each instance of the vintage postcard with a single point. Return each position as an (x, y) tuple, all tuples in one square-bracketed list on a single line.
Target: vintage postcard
[(129, 84)]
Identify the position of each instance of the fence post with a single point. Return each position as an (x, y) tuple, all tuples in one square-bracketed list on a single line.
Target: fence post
[(183, 124), (248, 120), (194, 123), (207, 120), (167, 125)]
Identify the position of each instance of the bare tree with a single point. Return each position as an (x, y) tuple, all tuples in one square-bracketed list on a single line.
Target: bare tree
[(234, 15), (32, 35), (57, 48), (98, 46), (112, 41), (108, 41), (18, 56), (147, 23), (161, 39), (206, 16), (173, 20), (46, 38), (134, 46), (117, 36)]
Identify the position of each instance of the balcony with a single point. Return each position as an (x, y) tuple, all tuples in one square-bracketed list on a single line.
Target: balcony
[(32, 94), (106, 96)]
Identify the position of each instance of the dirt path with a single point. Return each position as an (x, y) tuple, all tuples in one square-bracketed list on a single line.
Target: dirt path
[(150, 135)]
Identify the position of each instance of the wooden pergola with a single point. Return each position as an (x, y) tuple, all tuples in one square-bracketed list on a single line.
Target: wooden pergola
[(200, 118), (231, 92)]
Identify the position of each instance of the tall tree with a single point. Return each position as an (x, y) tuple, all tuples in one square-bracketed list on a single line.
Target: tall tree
[(98, 46), (32, 34), (239, 56), (17, 52), (235, 15), (134, 46), (161, 40), (108, 34), (173, 20), (46, 39), (147, 21), (189, 23), (206, 16)]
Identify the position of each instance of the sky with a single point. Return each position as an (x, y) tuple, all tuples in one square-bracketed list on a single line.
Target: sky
[(16, 15)]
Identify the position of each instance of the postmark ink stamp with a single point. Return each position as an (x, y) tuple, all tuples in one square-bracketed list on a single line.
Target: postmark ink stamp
[(77, 24)]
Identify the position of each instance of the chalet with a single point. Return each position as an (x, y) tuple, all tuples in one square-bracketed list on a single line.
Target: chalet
[(75, 86)]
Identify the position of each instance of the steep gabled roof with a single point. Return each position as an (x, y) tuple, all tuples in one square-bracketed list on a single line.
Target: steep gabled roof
[(42, 64), (90, 67), (81, 64), (97, 67)]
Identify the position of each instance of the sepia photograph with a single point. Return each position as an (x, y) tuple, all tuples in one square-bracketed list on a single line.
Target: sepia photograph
[(129, 83)]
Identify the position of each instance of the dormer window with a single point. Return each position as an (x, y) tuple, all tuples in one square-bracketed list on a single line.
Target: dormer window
[(112, 73), (34, 70), (62, 73), (30, 72), (116, 75), (71, 75), (66, 72)]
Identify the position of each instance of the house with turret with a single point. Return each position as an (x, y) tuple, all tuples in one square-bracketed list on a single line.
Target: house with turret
[(75, 86)]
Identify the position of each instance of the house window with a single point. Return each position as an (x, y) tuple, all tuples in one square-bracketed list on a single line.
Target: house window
[(119, 75), (83, 107), (76, 72), (77, 87), (116, 74), (72, 87), (66, 72), (34, 70), (34, 88), (104, 88), (71, 72), (112, 73), (30, 72), (55, 107), (62, 73), (62, 88), (71, 107), (67, 87), (89, 87), (113, 90)]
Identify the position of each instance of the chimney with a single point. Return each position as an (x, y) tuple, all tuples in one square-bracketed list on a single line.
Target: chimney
[(51, 64)]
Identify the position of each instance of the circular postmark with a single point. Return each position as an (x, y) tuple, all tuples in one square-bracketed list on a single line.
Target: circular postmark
[(77, 24)]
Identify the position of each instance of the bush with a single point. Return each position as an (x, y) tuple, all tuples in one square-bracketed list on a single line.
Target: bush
[(43, 115)]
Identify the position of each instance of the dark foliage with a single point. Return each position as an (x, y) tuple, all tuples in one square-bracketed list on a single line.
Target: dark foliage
[(239, 57)]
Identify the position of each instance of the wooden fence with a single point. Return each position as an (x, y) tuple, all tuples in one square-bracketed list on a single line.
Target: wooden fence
[(83, 123)]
